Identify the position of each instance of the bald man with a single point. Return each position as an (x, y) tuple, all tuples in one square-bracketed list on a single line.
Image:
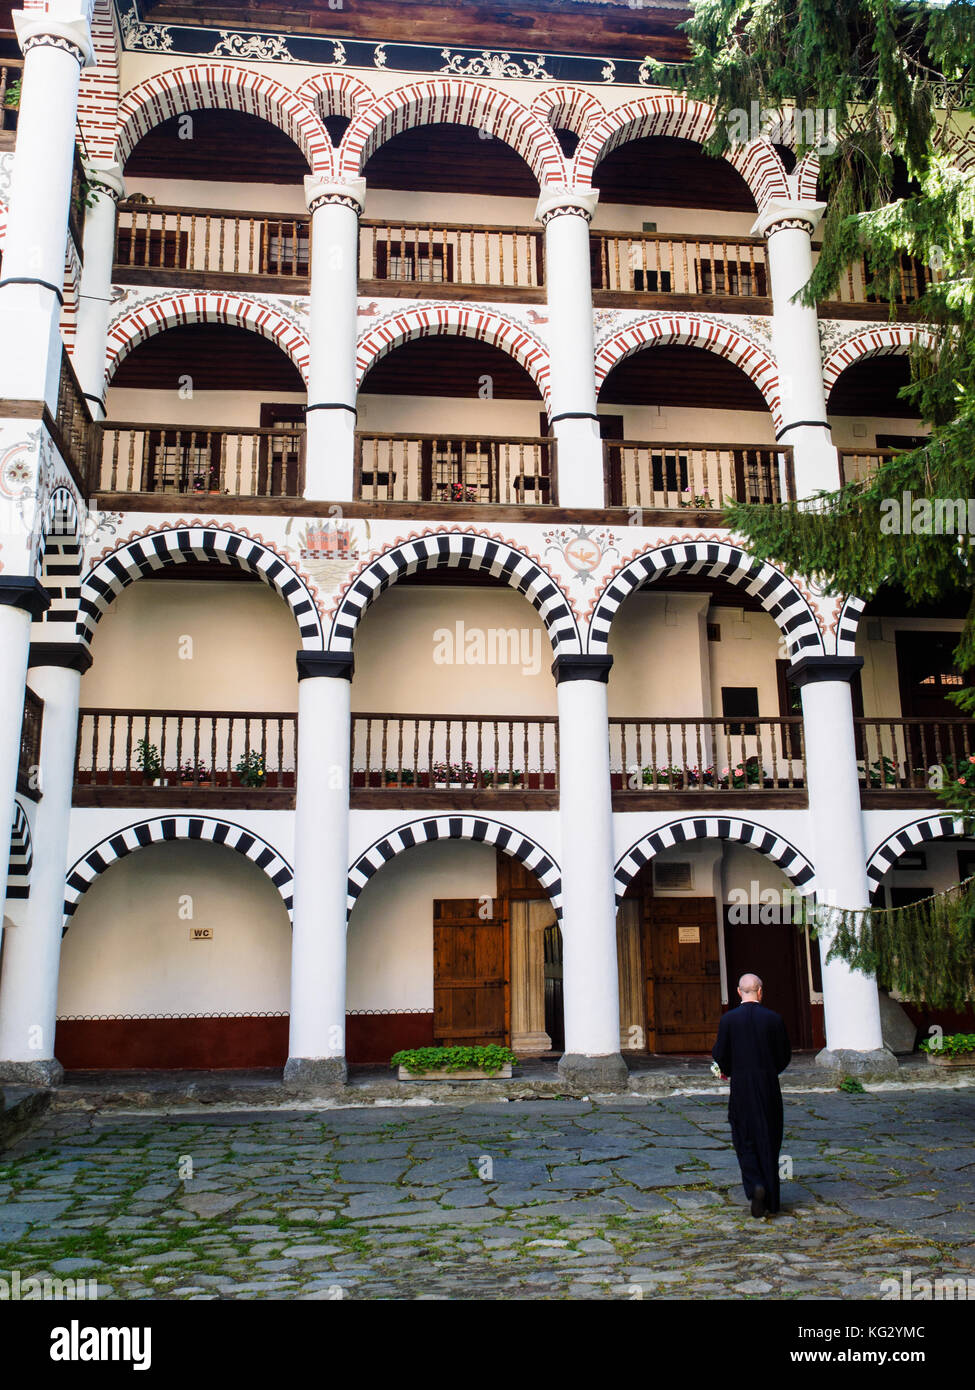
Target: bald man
[(753, 1048)]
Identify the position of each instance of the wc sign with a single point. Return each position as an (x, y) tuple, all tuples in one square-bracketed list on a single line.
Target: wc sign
[(201, 933)]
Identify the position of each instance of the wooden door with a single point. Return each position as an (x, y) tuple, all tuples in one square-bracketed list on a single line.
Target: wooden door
[(927, 677), (683, 982), (775, 951), (470, 973)]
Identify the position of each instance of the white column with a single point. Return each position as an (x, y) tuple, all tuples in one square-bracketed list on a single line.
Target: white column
[(854, 1040), (21, 600), (316, 1050), (32, 951), (40, 192), (95, 298), (590, 975), (788, 228), (566, 214), (330, 433)]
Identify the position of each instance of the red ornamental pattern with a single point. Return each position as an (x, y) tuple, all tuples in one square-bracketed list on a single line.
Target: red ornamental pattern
[(758, 162), (465, 321), (887, 341), (698, 332), (221, 85), (234, 309), (463, 103)]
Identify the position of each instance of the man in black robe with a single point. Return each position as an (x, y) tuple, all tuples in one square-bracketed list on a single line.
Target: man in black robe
[(752, 1048)]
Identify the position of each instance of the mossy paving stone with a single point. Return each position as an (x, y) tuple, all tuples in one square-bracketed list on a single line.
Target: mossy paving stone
[(905, 1160)]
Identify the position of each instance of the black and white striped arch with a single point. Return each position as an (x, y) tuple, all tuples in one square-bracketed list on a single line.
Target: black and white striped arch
[(85, 870), (793, 864), (183, 545), (459, 550), (432, 828), (907, 838), (848, 625), (715, 560), (21, 855)]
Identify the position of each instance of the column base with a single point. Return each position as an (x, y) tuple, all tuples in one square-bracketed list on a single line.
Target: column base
[(46, 1073), (844, 1061), (609, 1073), (310, 1073)]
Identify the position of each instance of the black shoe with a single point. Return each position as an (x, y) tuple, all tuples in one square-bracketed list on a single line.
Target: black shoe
[(758, 1202)]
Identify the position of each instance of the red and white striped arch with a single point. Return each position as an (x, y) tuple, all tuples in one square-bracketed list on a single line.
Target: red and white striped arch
[(335, 94), (758, 162), (457, 103), (464, 321), (888, 340), (170, 311), (661, 330), (568, 108), (221, 86)]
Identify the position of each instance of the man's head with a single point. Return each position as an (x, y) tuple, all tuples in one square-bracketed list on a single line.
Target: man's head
[(750, 989)]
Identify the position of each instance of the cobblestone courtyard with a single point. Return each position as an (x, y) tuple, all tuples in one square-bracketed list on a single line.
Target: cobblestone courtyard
[(549, 1199)]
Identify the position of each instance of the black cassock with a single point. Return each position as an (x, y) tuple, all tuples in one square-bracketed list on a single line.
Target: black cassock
[(752, 1048)]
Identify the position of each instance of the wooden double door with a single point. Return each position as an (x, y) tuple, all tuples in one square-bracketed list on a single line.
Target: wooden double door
[(669, 971), (471, 990), (497, 967)]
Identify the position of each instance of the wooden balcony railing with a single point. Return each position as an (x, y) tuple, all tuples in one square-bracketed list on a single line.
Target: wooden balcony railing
[(451, 253), (914, 277), (200, 459), (439, 468), (73, 423), (153, 237), (455, 752), (697, 476), (857, 465), (707, 755), (28, 782), (733, 268), (209, 748), (913, 754)]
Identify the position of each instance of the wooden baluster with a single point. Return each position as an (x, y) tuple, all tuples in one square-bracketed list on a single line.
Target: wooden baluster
[(731, 766), (430, 758), (206, 242), (222, 243), (384, 748), (129, 726), (416, 751), (760, 752)]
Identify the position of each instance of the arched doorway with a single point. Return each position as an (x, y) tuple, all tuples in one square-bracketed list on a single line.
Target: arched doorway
[(455, 943), (178, 956)]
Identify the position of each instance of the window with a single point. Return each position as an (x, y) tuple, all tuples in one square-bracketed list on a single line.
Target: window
[(739, 700), (669, 471), (415, 260), (732, 278), (285, 248)]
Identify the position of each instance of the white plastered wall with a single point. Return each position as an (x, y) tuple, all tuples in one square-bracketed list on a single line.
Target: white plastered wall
[(130, 951), (240, 654), (390, 962)]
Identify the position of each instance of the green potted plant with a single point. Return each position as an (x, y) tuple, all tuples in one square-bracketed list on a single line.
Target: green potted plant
[(453, 1063), (251, 770), (149, 761), (11, 97), (950, 1049)]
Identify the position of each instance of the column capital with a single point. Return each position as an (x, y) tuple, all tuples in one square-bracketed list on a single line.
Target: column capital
[(105, 177), (556, 200), (334, 665), (20, 591), (350, 193), (36, 30), (583, 666), (72, 655), (810, 670), (783, 213)]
